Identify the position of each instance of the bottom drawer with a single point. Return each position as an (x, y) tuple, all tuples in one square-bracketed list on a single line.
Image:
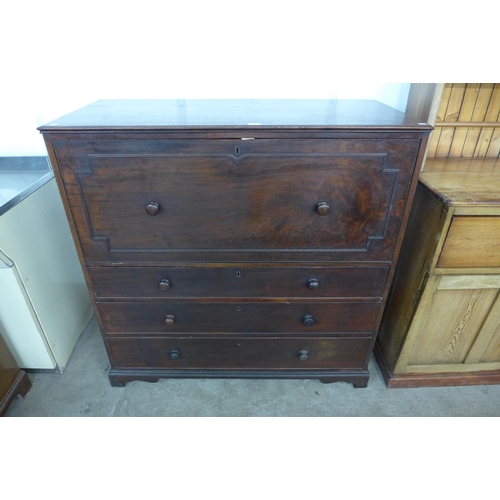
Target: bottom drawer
[(239, 353)]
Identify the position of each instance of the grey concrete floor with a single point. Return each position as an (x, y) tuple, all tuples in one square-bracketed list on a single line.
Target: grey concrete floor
[(84, 391)]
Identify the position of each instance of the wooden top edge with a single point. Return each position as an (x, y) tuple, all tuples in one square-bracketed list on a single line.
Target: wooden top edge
[(234, 115), (237, 130), (463, 181)]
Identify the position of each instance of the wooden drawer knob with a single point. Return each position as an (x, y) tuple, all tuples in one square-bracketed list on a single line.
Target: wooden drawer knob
[(164, 285), (170, 320), (174, 354), (303, 355), (323, 208), (308, 320), (152, 208), (313, 284)]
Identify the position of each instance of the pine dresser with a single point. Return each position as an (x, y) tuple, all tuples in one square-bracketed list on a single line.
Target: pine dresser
[(441, 326), (237, 238)]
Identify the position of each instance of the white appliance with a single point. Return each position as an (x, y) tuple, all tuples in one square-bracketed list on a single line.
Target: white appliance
[(44, 303)]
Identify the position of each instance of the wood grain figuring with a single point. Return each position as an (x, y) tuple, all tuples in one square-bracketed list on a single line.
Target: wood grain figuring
[(451, 326), (494, 146), (434, 142), (457, 166), (262, 215), (455, 102), (482, 102), (472, 242), (270, 188), (228, 238), (465, 125), (471, 282), (449, 109), (464, 182), (483, 142), (492, 351), (418, 321), (464, 114), (457, 145), (445, 99), (470, 143), (493, 111), (486, 347), (445, 141), (469, 102)]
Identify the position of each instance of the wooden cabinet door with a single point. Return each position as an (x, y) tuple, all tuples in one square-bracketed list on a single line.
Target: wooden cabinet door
[(456, 327)]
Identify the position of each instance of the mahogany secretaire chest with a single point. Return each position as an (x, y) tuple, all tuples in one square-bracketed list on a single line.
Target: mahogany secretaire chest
[(237, 238)]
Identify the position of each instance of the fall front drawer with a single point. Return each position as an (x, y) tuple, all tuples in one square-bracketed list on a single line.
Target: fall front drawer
[(241, 317), (238, 353), (231, 200), (238, 281)]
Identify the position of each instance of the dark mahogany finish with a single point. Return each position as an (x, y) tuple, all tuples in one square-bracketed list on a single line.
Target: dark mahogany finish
[(237, 238), (237, 353), (241, 316), (308, 282)]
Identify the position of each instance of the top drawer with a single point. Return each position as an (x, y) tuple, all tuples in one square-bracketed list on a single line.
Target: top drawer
[(472, 242), (233, 200)]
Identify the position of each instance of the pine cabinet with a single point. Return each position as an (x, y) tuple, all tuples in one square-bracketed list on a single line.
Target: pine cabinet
[(442, 321)]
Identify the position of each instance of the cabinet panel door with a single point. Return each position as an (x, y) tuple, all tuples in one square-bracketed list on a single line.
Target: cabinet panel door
[(488, 341), (453, 322)]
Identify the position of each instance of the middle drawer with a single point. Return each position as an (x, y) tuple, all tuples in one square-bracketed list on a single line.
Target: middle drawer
[(238, 281), (238, 317)]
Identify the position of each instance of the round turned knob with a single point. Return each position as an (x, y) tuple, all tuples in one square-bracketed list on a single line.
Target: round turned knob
[(170, 320), (308, 320), (303, 355), (164, 285), (323, 208), (174, 354), (313, 284), (152, 208)]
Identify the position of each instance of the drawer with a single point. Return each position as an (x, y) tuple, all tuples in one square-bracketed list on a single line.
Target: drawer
[(232, 201), (238, 281), (239, 353), (472, 242), (237, 317)]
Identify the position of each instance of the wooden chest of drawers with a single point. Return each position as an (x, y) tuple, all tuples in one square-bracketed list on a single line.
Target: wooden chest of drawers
[(237, 238), (442, 323)]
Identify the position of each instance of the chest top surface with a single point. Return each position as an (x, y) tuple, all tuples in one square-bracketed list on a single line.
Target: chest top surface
[(233, 113)]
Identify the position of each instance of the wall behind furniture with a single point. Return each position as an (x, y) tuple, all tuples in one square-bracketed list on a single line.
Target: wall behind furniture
[(60, 57)]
